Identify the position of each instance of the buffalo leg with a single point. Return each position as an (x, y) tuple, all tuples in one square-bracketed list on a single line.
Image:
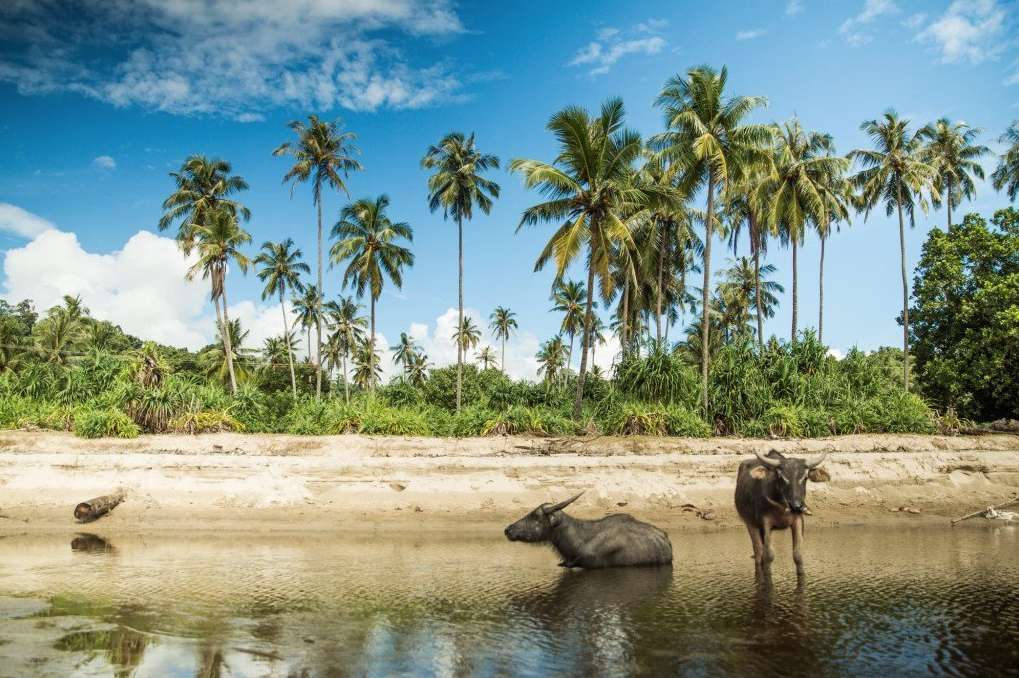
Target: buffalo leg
[(798, 544), (769, 553), (755, 541)]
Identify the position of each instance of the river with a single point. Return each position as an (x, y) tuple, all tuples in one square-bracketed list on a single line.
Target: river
[(874, 602)]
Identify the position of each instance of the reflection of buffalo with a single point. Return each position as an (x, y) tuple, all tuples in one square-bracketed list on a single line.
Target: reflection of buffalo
[(91, 543), (617, 540)]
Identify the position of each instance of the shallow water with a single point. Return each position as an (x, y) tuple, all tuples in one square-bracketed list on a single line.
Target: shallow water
[(897, 602)]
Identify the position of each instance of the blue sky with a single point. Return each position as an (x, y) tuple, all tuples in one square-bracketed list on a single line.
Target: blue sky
[(99, 103)]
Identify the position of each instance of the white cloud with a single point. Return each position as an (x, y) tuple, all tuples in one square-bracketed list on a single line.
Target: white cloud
[(603, 53), (104, 162), (853, 28), (21, 222), (750, 34), (221, 57), (836, 353), (969, 30), (793, 7), (914, 21)]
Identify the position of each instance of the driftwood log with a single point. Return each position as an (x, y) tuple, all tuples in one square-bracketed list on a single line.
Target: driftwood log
[(1010, 502), (90, 510)]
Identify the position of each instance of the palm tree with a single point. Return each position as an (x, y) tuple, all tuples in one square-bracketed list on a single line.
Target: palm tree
[(804, 184), (281, 269), (568, 299), (203, 187), (745, 288), (218, 241), (404, 351), (466, 336), (417, 369), (457, 186), (705, 136), (1006, 174), (952, 154), (551, 357), (592, 195), (275, 350), (348, 331), (740, 210), (504, 322), (57, 335), (486, 356), (597, 337), (368, 238), (222, 362), (367, 365), (322, 154), (894, 173), (306, 309)]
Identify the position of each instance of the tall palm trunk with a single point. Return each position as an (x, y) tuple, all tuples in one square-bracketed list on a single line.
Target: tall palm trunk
[(286, 338), (705, 323), (949, 202), (569, 354), (227, 343), (346, 380), (318, 304), (460, 309), (579, 397), (795, 294), (626, 314), (502, 362), (905, 292), (371, 381), (755, 245), (820, 295), (661, 275)]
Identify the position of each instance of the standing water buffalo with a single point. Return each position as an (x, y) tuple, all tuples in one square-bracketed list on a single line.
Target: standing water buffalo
[(616, 540), (771, 495)]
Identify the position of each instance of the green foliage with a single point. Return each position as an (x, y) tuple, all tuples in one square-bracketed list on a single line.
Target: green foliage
[(106, 423), (643, 419), (660, 375)]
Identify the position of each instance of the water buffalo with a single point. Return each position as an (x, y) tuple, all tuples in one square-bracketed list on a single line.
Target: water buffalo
[(616, 540), (771, 495)]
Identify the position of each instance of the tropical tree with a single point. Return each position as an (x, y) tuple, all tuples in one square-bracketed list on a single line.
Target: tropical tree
[(593, 197), (1006, 174), (457, 186), (894, 174), (417, 369), (486, 356), (218, 241), (280, 269), (503, 323), (597, 337), (950, 150), (367, 365), (203, 186), (551, 358), (56, 336), (743, 287), (348, 328), (568, 299), (404, 351), (322, 154), (805, 184), (368, 239), (467, 336), (228, 365), (740, 210), (706, 137), (306, 312)]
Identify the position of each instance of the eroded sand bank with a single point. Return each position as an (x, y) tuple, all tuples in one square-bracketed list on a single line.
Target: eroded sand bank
[(342, 483)]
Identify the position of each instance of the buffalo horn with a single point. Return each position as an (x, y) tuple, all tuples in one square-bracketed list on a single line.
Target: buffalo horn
[(816, 461), (563, 504), (767, 461)]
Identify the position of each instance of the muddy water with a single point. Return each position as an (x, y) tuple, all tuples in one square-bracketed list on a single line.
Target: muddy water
[(899, 602)]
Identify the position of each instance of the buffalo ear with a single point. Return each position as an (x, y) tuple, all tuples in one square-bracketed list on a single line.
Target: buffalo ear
[(819, 475), (555, 518), (759, 472)]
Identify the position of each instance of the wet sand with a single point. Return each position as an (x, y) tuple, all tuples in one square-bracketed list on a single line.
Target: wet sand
[(269, 483)]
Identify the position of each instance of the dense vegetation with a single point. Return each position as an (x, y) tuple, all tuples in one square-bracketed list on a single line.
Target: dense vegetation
[(625, 209)]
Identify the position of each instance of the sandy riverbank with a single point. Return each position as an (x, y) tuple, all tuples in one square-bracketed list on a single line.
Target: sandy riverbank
[(265, 483)]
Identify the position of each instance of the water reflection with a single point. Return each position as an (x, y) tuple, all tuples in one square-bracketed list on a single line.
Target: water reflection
[(897, 603)]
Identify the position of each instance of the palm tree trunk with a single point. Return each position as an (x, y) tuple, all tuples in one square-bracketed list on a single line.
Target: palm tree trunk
[(905, 293), (795, 296), (626, 313), (318, 306), (569, 355), (756, 245), (346, 381), (820, 295), (286, 338), (949, 203), (661, 274), (502, 362), (578, 399), (705, 322), (227, 344), (460, 308), (371, 381)]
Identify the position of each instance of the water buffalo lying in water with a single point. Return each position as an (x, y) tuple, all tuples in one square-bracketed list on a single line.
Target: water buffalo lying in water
[(616, 540), (771, 495)]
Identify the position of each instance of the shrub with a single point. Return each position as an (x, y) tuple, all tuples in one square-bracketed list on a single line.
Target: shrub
[(660, 376), (205, 421), (399, 393), (470, 421), (523, 420), (104, 423)]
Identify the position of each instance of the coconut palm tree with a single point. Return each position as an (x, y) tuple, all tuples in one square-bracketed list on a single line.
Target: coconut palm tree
[(706, 136), (894, 174), (457, 186), (467, 335), (203, 186), (57, 335), (953, 155), (486, 356), (597, 337), (306, 312), (220, 362), (739, 211), (367, 365), (568, 298), (804, 184), (593, 196), (323, 154), (280, 269), (348, 329), (743, 287), (503, 323), (1006, 174), (417, 370), (218, 241), (551, 357), (404, 351), (368, 238)]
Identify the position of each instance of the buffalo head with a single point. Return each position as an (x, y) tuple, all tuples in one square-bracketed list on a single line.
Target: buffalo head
[(791, 477), (537, 526)]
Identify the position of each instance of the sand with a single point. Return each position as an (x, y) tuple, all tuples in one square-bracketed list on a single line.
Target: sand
[(273, 483)]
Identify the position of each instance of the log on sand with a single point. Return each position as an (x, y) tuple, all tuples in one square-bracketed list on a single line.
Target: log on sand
[(90, 510), (1010, 502)]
